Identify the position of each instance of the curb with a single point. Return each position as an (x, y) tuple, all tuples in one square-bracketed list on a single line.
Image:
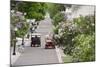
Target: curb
[(58, 54), (14, 58)]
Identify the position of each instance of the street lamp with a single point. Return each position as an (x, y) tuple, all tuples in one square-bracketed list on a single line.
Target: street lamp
[(23, 18), (14, 53)]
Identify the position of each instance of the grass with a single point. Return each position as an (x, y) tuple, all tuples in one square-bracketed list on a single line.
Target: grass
[(67, 59)]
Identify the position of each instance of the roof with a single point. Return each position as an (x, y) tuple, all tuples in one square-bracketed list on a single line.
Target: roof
[(38, 34)]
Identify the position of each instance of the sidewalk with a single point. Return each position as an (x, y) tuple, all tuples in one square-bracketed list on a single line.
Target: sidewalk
[(37, 55), (13, 58), (59, 55)]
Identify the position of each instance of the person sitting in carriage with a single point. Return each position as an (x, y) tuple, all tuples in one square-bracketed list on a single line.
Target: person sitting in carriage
[(49, 41), (35, 41)]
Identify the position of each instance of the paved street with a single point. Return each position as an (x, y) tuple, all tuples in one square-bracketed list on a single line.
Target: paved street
[(39, 55)]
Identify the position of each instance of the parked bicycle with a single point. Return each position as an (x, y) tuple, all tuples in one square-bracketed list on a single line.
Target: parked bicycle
[(20, 48)]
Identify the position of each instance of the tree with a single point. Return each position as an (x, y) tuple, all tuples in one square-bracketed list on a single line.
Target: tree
[(81, 44), (34, 10), (84, 42), (78, 38), (84, 48), (58, 18), (54, 8), (18, 20)]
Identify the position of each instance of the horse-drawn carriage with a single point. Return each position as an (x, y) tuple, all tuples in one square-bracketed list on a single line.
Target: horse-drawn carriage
[(35, 39), (49, 42)]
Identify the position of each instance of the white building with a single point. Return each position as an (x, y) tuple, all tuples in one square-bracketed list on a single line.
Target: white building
[(83, 10), (77, 10)]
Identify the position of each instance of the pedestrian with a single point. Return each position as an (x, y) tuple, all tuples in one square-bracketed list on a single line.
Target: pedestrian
[(48, 38), (32, 41)]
